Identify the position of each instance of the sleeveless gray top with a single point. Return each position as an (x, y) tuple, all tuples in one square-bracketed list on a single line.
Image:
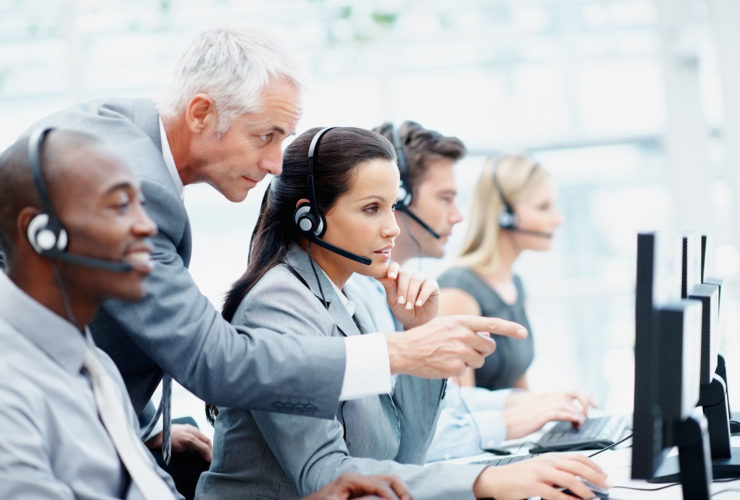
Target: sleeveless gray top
[(512, 356)]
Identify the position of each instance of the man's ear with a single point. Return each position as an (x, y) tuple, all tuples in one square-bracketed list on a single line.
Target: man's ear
[(201, 113), (25, 216), (24, 219)]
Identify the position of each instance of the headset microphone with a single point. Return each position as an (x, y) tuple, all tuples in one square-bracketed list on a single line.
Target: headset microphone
[(405, 192), (45, 232), (308, 217), (85, 261), (531, 232)]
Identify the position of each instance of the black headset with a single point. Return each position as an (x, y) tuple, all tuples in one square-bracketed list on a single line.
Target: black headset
[(507, 219), (45, 232), (405, 193), (308, 217)]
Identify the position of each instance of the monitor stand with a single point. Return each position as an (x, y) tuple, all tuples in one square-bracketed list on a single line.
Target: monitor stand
[(725, 458), (734, 416), (691, 467)]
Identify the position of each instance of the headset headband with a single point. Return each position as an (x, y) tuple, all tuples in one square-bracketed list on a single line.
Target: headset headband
[(35, 145), (313, 152)]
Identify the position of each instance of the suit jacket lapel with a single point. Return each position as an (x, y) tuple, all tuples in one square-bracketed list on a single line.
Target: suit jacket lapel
[(299, 261)]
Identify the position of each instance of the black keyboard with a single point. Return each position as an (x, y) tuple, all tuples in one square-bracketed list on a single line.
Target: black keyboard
[(509, 459), (594, 433)]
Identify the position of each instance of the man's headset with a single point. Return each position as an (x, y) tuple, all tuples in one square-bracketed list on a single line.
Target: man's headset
[(45, 232), (308, 217), (508, 219), (405, 193)]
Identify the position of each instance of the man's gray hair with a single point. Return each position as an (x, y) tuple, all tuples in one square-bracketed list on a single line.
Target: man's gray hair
[(232, 66)]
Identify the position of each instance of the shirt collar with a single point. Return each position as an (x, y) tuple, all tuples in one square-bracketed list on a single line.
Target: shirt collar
[(51, 333), (169, 160), (348, 304)]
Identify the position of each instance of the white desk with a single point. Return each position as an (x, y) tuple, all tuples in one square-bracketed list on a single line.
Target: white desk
[(617, 463)]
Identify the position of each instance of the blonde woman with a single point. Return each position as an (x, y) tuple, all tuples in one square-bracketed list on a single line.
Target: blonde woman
[(513, 210)]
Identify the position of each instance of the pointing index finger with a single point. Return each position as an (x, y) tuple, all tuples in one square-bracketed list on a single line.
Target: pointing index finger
[(493, 325)]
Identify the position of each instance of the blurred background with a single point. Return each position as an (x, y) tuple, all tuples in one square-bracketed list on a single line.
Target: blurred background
[(632, 105)]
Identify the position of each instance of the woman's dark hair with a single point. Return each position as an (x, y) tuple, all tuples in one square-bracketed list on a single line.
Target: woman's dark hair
[(340, 150)]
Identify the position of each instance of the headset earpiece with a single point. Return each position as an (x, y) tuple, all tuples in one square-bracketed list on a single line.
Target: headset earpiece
[(306, 222), (507, 219), (43, 237)]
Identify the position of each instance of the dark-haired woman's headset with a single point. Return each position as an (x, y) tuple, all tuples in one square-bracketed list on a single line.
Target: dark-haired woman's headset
[(405, 192), (308, 218), (45, 232)]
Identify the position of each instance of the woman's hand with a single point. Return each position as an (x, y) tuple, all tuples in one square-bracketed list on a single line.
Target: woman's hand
[(527, 412), (542, 476), (412, 296)]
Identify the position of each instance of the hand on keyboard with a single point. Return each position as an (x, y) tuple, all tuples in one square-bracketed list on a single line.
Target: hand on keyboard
[(595, 433), (527, 412)]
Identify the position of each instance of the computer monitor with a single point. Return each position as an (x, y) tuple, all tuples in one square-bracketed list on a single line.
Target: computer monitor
[(667, 351), (713, 390)]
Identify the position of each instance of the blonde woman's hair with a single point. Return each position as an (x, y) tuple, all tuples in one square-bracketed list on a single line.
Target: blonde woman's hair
[(517, 176)]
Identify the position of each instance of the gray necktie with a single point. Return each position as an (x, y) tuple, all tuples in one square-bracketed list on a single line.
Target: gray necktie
[(164, 411), (166, 405), (130, 449)]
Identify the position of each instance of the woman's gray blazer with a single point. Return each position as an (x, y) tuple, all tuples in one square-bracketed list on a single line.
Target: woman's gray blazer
[(269, 455)]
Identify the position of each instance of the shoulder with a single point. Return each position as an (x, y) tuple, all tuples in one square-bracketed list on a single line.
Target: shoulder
[(22, 397), (281, 299), (456, 277), (130, 127), (457, 301)]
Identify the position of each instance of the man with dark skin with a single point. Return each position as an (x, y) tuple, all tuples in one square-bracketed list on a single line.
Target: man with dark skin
[(52, 442)]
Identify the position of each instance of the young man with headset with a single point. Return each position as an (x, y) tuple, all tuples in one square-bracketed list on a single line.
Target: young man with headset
[(472, 419), (76, 234)]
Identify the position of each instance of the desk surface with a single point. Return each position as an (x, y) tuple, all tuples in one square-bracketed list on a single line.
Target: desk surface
[(617, 463)]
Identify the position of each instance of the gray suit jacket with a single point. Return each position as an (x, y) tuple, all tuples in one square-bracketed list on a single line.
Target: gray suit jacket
[(266, 455), (174, 328)]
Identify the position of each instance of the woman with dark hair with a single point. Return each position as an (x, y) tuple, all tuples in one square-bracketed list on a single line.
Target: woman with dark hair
[(328, 215)]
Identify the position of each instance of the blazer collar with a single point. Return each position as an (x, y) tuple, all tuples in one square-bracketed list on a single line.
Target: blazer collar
[(297, 259), (146, 117)]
